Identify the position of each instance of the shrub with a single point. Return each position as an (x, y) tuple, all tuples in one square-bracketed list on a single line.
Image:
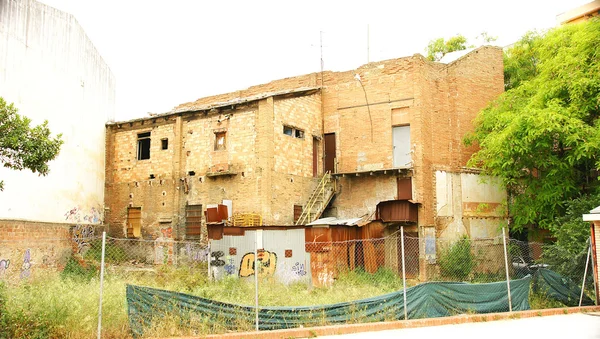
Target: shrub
[(457, 261)]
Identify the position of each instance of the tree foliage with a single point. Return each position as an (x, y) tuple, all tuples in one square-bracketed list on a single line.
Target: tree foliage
[(542, 136), (439, 47), (22, 146)]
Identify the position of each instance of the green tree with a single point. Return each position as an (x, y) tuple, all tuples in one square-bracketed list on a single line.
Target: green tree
[(436, 49), (22, 146), (542, 136), (439, 47)]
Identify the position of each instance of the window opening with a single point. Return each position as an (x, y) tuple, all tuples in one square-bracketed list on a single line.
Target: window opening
[(220, 139), (293, 132), (164, 144), (143, 146)]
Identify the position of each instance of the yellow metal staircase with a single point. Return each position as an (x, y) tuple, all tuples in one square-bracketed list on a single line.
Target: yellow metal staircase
[(318, 201)]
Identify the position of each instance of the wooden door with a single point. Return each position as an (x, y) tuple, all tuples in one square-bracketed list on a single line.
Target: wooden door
[(401, 143), (315, 157), (330, 148), (134, 222)]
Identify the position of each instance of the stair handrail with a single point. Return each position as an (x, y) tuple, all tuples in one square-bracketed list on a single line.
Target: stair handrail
[(318, 191)]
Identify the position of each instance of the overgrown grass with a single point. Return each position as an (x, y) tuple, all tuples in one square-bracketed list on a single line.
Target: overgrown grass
[(66, 305)]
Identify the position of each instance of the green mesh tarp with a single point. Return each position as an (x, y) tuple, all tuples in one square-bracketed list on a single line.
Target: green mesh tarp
[(428, 300), (559, 288)]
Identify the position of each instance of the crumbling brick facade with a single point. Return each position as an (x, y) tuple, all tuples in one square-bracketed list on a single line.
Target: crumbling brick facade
[(273, 135)]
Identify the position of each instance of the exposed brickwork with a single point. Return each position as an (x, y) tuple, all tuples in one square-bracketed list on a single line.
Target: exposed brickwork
[(267, 171)]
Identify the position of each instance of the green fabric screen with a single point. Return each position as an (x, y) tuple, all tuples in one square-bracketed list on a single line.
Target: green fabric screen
[(428, 300), (559, 288)]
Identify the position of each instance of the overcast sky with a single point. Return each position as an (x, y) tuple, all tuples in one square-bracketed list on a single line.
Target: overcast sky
[(164, 53)]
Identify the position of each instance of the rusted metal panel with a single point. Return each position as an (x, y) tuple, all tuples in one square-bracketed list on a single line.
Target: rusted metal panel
[(315, 161), (222, 212), (235, 231), (212, 214), (215, 232), (397, 211), (405, 188)]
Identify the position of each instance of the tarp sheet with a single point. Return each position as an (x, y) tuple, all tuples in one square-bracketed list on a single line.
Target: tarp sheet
[(428, 300), (559, 288)]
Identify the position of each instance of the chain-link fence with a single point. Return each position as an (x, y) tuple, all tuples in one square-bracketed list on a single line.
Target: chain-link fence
[(165, 287)]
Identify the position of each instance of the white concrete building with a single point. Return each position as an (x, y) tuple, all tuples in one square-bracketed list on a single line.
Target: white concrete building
[(51, 71)]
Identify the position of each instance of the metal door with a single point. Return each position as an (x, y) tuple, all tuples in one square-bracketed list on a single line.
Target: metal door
[(401, 142)]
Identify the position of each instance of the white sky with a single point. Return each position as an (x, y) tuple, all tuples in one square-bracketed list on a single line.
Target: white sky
[(164, 53)]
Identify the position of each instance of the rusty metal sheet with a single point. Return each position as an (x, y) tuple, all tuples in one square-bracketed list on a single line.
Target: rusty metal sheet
[(398, 211)]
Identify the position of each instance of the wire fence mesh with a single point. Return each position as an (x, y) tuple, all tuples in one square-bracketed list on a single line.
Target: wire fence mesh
[(50, 272)]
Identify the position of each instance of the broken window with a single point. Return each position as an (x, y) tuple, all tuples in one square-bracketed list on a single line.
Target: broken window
[(293, 132), (134, 222), (143, 146), (193, 221), (164, 143), (220, 139)]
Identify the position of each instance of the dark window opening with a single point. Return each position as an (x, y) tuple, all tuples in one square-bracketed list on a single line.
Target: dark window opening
[(143, 146), (191, 173), (293, 132), (164, 144), (220, 140), (152, 176)]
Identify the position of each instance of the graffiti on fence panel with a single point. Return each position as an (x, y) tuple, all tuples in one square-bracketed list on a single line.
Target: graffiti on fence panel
[(230, 268), (196, 253), (267, 263), (216, 260), (26, 267), (4, 264), (298, 269), (81, 236)]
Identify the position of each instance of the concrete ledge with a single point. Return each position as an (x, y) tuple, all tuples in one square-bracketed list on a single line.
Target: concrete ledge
[(311, 332)]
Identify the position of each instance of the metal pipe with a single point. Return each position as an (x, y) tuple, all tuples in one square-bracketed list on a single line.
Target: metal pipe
[(587, 261), (256, 276), (507, 276), (101, 285), (403, 271)]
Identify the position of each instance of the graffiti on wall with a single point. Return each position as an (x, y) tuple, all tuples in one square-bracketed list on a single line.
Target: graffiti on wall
[(76, 214), (298, 269), (215, 259), (163, 247), (167, 232), (267, 263), (26, 267), (4, 264), (196, 253), (230, 268), (82, 235)]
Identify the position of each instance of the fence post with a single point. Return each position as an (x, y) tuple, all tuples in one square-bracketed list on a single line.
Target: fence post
[(594, 274), (403, 271), (210, 277), (101, 285), (507, 275), (256, 276), (587, 261)]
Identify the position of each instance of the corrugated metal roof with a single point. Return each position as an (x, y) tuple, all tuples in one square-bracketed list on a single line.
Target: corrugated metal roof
[(335, 221)]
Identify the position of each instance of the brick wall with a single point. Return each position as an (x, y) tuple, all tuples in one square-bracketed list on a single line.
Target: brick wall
[(272, 171)]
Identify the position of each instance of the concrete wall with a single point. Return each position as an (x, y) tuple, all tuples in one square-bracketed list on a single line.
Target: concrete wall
[(50, 70)]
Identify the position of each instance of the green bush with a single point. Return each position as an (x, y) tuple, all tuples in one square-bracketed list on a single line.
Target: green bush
[(75, 270), (457, 262)]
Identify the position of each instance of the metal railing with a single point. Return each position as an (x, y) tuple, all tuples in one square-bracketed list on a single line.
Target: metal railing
[(319, 199)]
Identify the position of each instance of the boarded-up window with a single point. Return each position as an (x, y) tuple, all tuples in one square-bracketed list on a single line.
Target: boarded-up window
[(134, 222), (193, 221), (401, 143), (220, 141), (404, 189), (297, 212), (143, 146)]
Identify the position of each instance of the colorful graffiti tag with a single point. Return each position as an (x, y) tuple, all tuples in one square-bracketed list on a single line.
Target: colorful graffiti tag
[(77, 215), (216, 260), (267, 263), (26, 267), (82, 234), (298, 269), (230, 268), (196, 253)]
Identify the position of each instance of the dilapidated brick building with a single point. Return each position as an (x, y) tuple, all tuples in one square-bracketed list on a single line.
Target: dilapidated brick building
[(389, 133)]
